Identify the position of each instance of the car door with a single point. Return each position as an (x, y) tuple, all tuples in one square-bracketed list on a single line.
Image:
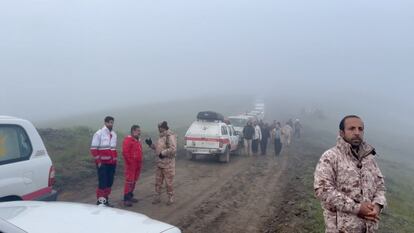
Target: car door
[(233, 138), (236, 137), (15, 150)]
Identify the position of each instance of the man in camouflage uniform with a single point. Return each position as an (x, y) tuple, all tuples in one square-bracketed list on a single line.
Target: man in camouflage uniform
[(165, 150), (349, 183)]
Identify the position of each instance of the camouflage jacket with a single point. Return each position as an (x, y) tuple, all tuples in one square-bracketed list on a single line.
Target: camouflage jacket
[(342, 182), (167, 147)]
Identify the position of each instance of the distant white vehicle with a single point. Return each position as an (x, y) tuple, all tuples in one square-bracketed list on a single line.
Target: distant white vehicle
[(239, 121), (26, 170), (210, 135), (66, 217), (258, 114), (259, 110), (259, 106)]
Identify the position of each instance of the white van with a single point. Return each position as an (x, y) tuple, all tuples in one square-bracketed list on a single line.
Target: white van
[(209, 135), (26, 170)]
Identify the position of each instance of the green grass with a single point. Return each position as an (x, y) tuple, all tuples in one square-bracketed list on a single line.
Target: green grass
[(399, 214), (309, 204), (312, 207), (69, 151)]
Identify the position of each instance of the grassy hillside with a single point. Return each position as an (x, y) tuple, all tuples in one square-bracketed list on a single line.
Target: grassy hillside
[(399, 216), (69, 150), (179, 113)]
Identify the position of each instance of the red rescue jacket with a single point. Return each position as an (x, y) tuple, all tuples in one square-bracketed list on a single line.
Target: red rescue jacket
[(103, 146), (131, 150)]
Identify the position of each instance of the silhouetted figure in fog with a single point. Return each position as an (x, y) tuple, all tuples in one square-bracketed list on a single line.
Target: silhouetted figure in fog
[(298, 128), (290, 122), (256, 138), (273, 125), (265, 138), (287, 135), (248, 133), (276, 135)]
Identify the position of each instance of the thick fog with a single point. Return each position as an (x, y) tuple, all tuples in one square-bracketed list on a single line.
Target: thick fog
[(60, 58)]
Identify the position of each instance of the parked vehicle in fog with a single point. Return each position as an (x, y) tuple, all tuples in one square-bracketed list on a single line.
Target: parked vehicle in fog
[(26, 170), (210, 135), (239, 122)]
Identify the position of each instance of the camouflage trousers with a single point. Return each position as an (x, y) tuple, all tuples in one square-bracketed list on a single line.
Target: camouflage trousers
[(166, 174), (338, 222)]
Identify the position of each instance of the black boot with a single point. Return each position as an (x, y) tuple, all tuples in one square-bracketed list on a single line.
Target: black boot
[(131, 198), (127, 201)]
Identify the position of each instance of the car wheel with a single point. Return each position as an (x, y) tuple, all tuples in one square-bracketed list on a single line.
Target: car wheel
[(191, 156), (218, 157), (237, 151), (225, 157)]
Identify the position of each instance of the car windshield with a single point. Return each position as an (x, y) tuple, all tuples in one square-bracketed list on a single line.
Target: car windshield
[(238, 122)]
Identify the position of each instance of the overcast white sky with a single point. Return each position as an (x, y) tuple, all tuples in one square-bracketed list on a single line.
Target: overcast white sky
[(60, 57)]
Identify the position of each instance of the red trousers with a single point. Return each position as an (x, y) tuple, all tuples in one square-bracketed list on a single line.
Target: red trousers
[(132, 172)]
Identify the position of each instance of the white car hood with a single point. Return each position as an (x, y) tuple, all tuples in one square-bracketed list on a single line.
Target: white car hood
[(65, 217)]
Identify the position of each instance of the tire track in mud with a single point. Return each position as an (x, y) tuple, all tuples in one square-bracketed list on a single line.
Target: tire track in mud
[(240, 196), (195, 182), (242, 203), (292, 212)]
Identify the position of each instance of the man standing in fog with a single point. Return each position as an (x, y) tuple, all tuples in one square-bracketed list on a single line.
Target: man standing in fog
[(298, 128), (276, 135), (132, 154), (287, 134), (248, 133), (103, 150), (165, 151), (257, 137), (349, 183), (265, 138)]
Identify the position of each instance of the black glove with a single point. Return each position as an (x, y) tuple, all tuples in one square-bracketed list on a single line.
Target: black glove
[(161, 156), (148, 141)]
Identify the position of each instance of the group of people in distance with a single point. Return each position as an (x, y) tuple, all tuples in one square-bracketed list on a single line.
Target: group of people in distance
[(257, 134)]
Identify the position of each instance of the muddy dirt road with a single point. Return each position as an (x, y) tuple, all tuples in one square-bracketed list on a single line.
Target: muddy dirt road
[(246, 195)]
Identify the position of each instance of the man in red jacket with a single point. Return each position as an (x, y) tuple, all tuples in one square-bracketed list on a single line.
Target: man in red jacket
[(132, 153)]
